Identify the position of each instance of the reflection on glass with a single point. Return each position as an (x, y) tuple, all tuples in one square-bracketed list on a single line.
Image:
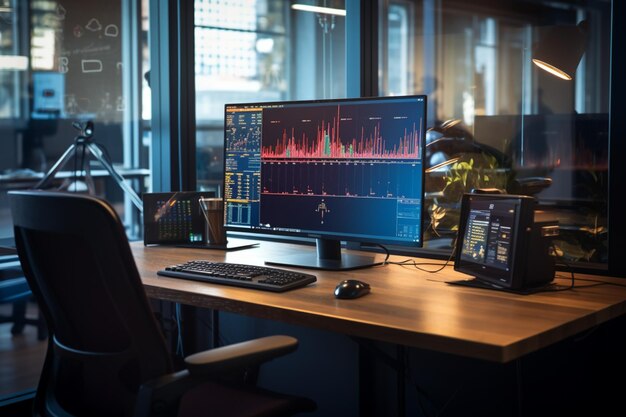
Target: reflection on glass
[(499, 121), (62, 63), (560, 50), (260, 50)]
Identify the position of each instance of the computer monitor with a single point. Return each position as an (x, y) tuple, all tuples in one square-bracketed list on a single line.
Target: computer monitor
[(333, 170), (501, 244)]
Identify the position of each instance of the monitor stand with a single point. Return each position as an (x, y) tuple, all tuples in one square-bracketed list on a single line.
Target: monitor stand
[(328, 257)]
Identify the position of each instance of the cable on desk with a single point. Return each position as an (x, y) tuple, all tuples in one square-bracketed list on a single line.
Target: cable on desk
[(383, 247), (551, 287), (597, 283), (412, 262), (416, 265), (574, 278)]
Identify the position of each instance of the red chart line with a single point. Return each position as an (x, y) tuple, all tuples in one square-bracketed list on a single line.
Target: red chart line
[(328, 144)]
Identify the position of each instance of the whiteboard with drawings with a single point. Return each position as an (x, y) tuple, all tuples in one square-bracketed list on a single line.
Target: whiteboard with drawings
[(90, 57)]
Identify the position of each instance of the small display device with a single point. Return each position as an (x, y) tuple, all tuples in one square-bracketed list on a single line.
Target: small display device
[(501, 245), (174, 217)]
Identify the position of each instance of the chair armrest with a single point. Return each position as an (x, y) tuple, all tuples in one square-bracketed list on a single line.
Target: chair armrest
[(160, 396), (240, 355)]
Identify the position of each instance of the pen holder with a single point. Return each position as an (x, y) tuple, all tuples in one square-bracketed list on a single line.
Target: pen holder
[(213, 210)]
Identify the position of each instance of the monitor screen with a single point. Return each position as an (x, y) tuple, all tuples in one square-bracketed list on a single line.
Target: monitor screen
[(333, 170), (499, 242)]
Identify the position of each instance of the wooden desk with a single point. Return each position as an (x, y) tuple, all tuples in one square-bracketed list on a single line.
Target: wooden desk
[(406, 306)]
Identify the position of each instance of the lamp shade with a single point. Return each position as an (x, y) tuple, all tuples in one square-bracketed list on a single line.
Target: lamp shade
[(559, 50)]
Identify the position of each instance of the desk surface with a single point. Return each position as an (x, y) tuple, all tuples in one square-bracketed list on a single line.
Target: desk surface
[(406, 306)]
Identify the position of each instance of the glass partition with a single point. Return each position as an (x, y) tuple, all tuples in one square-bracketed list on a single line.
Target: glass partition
[(63, 64), (518, 101)]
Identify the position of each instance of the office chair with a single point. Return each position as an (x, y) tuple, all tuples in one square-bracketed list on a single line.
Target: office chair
[(106, 355)]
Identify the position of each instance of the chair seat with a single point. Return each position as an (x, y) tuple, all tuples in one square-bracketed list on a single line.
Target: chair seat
[(221, 400)]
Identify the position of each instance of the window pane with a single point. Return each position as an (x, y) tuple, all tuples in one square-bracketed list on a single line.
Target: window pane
[(259, 50), (498, 120), (68, 64), (63, 64)]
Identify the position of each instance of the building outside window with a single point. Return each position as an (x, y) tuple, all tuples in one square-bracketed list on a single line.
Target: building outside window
[(256, 51)]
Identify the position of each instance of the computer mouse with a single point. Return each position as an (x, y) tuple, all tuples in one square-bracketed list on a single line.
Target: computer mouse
[(351, 288)]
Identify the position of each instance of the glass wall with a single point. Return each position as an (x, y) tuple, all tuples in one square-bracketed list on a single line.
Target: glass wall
[(64, 63), (261, 50), (498, 118)]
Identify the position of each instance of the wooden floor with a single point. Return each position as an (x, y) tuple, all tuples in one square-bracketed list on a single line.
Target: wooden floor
[(21, 356)]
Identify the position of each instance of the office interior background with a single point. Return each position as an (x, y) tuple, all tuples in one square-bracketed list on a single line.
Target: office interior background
[(154, 76)]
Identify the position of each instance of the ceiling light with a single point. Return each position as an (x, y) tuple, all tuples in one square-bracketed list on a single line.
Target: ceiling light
[(318, 9), (13, 62)]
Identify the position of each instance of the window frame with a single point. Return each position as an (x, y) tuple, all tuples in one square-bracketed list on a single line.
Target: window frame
[(174, 97)]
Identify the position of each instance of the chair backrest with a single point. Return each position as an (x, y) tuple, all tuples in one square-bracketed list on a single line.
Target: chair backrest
[(104, 341)]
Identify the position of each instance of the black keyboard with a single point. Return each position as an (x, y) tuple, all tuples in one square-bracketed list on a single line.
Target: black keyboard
[(248, 276)]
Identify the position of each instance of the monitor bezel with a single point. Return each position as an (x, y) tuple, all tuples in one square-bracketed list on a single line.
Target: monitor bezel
[(522, 228), (329, 235)]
